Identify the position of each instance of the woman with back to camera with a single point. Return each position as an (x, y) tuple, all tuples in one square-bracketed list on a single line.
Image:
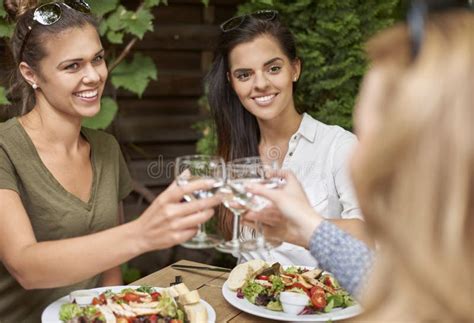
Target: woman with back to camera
[(61, 185), (251, 96), (413, 172)]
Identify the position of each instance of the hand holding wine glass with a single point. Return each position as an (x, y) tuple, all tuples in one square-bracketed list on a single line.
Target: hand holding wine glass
[(250, 171), (198, 167), (291, 217)]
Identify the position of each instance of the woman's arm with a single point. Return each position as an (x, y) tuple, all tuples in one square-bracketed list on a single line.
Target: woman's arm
[(49, 264), (348, 259), (356, 228)]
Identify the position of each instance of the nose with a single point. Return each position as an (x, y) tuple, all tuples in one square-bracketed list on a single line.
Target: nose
[(260, 81), (91, 75)]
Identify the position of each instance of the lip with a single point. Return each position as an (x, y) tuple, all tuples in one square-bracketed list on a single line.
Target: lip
[(88, 98), (265, 100)]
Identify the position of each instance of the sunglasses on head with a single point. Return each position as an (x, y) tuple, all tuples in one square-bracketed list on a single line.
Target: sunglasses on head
[(236, 22), (50, 13), (417, 15)]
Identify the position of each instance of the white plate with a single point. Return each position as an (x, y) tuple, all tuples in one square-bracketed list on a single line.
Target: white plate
[(51, 313), (245, 306)]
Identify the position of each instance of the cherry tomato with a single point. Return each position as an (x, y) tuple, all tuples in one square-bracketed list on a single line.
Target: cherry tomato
[(327, 281), (155, 296), (96, 301), (153, 318), (131, 297), (262, 277), (316, 289), (318, 298)]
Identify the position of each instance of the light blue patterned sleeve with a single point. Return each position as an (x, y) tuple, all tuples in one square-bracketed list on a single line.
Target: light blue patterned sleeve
[(348, 259)]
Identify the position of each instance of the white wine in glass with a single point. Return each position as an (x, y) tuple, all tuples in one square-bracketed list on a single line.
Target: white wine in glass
[(197, 167), (253, 170)]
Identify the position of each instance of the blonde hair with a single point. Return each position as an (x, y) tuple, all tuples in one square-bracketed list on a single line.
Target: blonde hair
[(416, 184)]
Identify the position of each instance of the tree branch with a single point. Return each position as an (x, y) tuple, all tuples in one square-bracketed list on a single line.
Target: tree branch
[(123, 54), (128, 48)]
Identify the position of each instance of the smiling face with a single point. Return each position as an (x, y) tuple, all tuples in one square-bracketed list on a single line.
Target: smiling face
[(73, 73), (262, 76)]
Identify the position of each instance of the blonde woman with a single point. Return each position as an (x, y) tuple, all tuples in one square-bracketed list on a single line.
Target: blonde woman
[(413, 171)]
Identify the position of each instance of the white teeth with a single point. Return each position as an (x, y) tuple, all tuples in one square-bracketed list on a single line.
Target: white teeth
[(265, 99), (86, 94)]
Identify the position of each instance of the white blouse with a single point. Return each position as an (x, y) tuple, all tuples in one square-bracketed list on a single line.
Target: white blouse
[(318, 154)]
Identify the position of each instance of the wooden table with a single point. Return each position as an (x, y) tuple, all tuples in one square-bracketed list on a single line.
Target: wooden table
[(208, 283)]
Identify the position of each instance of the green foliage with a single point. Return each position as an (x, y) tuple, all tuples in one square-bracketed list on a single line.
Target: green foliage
[(108, 110), (3, 97), (100, 8), (135, 75), (330, 37), (129, 274), (6, 29)]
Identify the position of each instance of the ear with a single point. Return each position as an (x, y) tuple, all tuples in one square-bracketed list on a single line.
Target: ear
[(296, 69), (28, 74)]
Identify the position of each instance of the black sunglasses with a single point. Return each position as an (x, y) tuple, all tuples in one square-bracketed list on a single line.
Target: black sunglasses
[(235, 22), (417, 15), (50, 13)]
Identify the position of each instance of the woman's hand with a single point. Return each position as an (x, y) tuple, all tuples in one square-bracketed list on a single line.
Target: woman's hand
[(168, 222), (291, 217)]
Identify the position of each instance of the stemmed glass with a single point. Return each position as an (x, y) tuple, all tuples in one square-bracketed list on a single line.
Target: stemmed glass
[(253, 170), (196, 167), (231, 201)]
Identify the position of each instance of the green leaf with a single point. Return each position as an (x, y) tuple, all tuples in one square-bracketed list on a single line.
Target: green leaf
[(329, 307), (152, 3), (117, 20), (266, 2), (6, 29), (3, 96), (205, 2), (115, 37), (129, 274), (135, 75), (139, 23), (108, 110), (3, 13), (103, 27), (100, 8)]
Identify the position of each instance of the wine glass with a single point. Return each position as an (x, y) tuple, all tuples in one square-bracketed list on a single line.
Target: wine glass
[(253, 170), (231, 202), (196, 167)]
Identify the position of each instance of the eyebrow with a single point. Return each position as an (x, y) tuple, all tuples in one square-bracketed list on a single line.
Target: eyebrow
[(273, 60), (75, 60)]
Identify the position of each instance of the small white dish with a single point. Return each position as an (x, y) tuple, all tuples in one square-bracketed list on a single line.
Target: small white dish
[(293, 303), (82, 297)]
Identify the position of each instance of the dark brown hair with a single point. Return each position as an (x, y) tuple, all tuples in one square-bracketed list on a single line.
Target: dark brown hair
[(238, 134), (22, 11), (237, 129)]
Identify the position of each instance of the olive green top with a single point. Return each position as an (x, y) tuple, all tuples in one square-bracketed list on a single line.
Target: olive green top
[(54, 212)]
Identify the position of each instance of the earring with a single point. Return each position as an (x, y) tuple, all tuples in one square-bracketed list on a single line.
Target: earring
[(295, 79), (34, 86)]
